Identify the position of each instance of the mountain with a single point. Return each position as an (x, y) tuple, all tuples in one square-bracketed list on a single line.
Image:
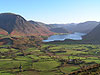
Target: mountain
[(84, 27), (94, 35), (59, 30), (16, 25)]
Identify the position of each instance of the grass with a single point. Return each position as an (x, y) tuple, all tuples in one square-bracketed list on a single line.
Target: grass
[(6, 64), (44, 57), (92, 60), (29, 73), (2, 50), (34, 57), (3, 73), (50, 73), (22, 58), (46, 66), (69, 69)]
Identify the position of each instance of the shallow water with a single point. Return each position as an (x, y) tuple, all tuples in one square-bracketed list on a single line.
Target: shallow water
[(74, 36)]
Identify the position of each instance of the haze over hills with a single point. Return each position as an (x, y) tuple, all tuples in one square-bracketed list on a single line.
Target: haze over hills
[(16, 25)]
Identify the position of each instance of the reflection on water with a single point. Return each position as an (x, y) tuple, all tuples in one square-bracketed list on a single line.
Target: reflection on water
[(74, 36)]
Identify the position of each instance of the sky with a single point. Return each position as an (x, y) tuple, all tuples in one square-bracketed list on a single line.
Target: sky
[(54, 11)]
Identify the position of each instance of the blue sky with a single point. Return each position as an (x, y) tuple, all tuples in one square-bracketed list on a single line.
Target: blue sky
[(54, 11)]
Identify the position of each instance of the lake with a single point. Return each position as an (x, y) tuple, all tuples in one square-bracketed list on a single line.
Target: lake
[(74, 36)]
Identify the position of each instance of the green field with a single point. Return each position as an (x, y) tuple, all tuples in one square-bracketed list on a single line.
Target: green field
[(51, 59)]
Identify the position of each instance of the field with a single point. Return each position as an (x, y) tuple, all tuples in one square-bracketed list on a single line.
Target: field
[(50, 59)]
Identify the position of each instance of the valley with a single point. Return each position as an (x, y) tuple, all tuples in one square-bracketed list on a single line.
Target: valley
[(49, 37), (35, 48)]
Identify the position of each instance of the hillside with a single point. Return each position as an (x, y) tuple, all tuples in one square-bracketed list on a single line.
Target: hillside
[(94, 35), (16, 25), (85, 27)]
